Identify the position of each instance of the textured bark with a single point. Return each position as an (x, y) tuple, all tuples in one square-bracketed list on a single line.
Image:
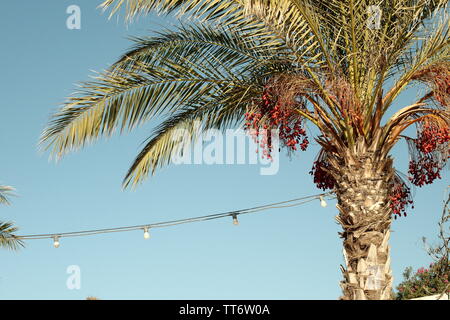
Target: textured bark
[(362, 187)]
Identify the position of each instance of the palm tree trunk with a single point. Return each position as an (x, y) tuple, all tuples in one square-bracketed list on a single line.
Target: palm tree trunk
[(362, 189)]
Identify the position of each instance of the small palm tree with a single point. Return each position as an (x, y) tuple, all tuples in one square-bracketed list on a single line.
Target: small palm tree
[(339, 65), (7, 238)]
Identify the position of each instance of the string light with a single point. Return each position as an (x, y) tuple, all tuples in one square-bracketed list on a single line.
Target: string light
[(146, 227), (56, 241), (146, 233), (323, 203), (235, 220)]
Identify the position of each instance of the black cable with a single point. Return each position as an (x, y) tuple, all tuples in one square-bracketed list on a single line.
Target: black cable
[(281, 204)]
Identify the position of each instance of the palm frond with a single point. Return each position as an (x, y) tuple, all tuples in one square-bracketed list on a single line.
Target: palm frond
[(415, 114), (434, 49), (7, 238), (182, 129), (296, 23), (158, 77), (232, 46), (5, 192)]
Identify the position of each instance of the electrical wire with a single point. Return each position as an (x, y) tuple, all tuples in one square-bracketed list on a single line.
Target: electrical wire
[(282, 204)]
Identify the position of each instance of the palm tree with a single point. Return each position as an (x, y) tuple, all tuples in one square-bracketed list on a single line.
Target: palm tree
[(339, 65), (7, 238)]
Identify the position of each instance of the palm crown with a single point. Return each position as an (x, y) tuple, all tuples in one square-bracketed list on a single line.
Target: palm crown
[(323, 52), (337, 64)]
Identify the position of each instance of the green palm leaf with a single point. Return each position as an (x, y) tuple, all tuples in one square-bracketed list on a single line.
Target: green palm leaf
[(184, 127), (5, 192), (160, 75), (7, 238)]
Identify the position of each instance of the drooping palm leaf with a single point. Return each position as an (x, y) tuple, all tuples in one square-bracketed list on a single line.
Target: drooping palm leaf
[(183, 128), (5, 192), (177, 73), (7, 238)]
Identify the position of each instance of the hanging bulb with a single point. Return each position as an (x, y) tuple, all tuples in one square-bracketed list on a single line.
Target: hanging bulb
[(56, 241), (235, 220), (323, 203), (146, 233)]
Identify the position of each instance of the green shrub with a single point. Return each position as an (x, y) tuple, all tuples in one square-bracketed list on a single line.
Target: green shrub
[(425, 282)]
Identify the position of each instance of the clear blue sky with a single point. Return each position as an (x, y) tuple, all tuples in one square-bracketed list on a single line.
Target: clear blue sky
[(289, 253)]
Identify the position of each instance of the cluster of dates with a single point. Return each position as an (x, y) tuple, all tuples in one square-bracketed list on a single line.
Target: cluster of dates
[(321, 177), (400, 198), (442, 84), (424, 171), (426, 168), (438, 78), (431, 137), (271, 114)]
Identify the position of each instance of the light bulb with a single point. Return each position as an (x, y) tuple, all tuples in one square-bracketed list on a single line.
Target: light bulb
[(235, 220), (146, 233), (323, 203), (56, 242)]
